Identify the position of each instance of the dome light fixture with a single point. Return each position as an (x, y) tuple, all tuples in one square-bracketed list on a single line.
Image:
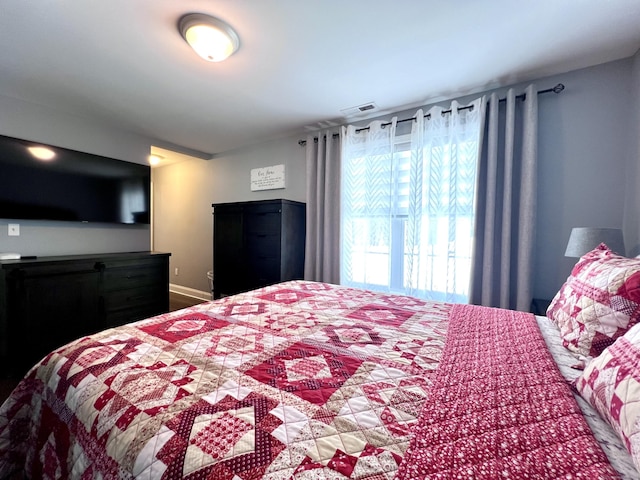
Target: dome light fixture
[(210, 37)]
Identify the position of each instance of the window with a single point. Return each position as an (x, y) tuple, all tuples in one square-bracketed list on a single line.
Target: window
[(408, 209)]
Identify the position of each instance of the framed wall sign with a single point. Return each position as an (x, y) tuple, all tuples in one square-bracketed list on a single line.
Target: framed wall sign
[(268, 178)]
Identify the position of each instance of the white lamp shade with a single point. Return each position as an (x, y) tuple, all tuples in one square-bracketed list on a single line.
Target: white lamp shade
[(585, 239), (210, 37)]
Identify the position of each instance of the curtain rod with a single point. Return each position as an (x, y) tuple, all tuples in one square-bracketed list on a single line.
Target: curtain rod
[(557, 89)]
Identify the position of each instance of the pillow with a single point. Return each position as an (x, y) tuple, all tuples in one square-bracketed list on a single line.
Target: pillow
[(599, 301), (611, 384)]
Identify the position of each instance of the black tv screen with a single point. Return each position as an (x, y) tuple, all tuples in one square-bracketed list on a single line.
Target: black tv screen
[(71, 186)]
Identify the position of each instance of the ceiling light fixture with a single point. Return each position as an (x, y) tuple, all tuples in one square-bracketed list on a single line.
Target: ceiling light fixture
[(210, 37), (42, 153)]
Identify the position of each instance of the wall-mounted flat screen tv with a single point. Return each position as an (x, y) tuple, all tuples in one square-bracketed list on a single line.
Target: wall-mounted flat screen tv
[(42, 182)]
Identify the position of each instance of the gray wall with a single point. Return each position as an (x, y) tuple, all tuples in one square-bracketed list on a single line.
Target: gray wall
[(632, 204), (184, 192), (38, 123), (584, 155)]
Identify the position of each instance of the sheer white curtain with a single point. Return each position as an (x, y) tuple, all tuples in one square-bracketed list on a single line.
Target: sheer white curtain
[(408, 204), (367, 205)]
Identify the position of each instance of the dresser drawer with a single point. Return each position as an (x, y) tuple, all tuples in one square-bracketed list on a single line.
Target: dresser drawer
[(263, 223), (265, 270), (134, 297), (262, 245), (124, 278)]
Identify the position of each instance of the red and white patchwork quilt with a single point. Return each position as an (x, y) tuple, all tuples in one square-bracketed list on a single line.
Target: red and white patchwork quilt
[(302, 380)]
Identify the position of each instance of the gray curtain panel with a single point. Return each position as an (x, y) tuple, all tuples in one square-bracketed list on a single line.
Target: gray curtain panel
[(322, 255), (502, 262)]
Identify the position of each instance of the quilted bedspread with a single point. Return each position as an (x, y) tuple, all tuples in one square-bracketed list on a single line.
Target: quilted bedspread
[(302, 380)]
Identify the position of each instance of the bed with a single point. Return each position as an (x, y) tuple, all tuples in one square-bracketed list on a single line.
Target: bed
[(308, 380)]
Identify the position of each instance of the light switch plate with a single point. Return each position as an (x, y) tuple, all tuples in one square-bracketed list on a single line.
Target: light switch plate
[(14, 229)]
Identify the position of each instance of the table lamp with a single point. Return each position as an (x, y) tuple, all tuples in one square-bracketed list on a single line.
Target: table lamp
[(585, 239)]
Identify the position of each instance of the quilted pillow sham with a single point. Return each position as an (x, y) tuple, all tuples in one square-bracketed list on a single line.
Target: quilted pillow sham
[(611, 384), (599, 302)]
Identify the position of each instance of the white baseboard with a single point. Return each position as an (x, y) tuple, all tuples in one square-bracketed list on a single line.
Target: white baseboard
[(189, 292)]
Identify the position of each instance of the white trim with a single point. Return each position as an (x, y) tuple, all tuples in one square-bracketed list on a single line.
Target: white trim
[(189, 292)]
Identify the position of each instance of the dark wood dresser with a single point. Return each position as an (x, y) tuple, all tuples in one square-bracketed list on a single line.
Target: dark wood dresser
[(49, 301), (256, 244)]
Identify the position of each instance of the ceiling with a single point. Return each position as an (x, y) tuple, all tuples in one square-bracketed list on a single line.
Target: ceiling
[(301, 62)]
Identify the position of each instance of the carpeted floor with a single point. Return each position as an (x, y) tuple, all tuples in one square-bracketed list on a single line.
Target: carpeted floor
[(177, 301)]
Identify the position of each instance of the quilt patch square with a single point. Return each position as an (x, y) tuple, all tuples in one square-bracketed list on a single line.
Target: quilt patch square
[(212, 440), (285, 296), (307, 368), (353, 335), (234, 345), (404, 301), (307, 371), (140, 390), (242, 309), (386, 315), (289, 322), (183, 327), (91, 359)]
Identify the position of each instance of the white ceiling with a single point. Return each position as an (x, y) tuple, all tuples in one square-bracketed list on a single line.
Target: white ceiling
[(300, 62)]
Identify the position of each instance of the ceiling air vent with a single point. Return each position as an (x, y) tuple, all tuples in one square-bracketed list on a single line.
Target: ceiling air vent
[(360, 109)]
